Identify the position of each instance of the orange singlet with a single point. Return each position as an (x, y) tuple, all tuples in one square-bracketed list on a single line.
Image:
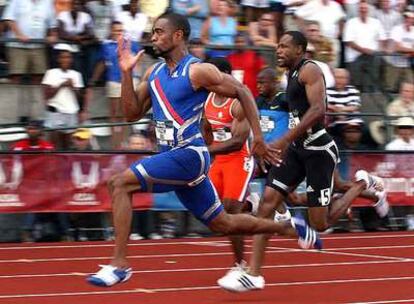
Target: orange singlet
[(230, 173)]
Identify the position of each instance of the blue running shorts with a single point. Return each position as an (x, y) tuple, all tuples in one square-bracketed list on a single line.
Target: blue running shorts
[(184, 171)]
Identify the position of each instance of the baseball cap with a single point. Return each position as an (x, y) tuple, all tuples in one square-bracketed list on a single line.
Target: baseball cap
[(82, 133)]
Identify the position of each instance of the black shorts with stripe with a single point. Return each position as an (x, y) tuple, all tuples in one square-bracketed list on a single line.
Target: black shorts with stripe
[(315, 163)]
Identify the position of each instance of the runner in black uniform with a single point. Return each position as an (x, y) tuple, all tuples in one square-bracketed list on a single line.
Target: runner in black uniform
[(307, 151)]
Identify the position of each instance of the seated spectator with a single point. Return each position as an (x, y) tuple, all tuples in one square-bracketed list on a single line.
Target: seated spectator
[(76, 27), (263, 32), (133, 21), (28, 20), (196, 48), (61, 89), (34, 141), (108, 62), (364, 37), (254, 8), (343, 97), (246, 64), (195, 10), (220, 30), (399, 64), (324, 50), (404, 129), (404, 104)]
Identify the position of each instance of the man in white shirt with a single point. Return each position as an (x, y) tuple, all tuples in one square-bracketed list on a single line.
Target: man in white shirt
[(405, 135), (364, 37), (61, 87)]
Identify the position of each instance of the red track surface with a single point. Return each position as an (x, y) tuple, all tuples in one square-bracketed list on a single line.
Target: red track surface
[(353, 268)]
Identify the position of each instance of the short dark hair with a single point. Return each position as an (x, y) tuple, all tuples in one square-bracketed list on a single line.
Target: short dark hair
[(268, 72), (115, 22), (180, 22), (221, 63), (299, 39)]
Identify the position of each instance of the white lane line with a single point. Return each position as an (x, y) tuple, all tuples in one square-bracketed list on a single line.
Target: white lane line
[(385, 302), (183, 255), (194, 288), (308, 265), (194, 242)]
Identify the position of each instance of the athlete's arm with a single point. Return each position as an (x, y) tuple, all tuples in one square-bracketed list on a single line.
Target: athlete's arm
[(206, 131), (240, 130), (311, 77), (134, 103)]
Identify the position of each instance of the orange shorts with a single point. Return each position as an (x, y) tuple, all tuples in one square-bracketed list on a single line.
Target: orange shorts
[(231, 176)]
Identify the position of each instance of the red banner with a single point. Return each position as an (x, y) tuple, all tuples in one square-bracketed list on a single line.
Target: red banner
[(397, 170), (61, 182)]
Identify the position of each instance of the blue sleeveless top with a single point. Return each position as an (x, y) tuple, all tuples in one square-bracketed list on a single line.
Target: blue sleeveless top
[(177, 107)]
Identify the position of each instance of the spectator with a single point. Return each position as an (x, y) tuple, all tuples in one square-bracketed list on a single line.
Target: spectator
[(246, 64), (343, 97), (108, 61), (324, 50), (263, 32), (404, 130), (102, 12), (197, 49), (34, 142), (195, 10), (220, 30), (399, 64), (254, 8), (28, 20), (330, 16), (76, 27), (404, 104), (152, 9), (388, 16), (61, 88), (278, 8), (133, 21), (362, 47)]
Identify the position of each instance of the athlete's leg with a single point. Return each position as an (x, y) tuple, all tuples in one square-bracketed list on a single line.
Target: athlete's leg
[(121, 187)]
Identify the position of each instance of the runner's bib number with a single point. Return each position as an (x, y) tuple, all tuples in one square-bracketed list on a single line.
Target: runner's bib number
[(221, 135), (266, 124), (164, 131)]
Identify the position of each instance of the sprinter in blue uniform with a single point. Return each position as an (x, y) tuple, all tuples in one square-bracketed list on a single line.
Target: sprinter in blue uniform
[(176, 89)]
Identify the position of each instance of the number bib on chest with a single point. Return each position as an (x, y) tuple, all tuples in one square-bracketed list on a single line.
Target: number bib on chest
[(221, 135), (266, 124), (164, 131), (293, 120)]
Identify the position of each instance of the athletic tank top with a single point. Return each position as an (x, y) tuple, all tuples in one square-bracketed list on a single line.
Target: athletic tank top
[(177, 107), (221, 120), (298, 105), (274, 116)]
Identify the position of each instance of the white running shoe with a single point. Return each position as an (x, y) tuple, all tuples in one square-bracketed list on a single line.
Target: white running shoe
[(381, 206), (254, 199), (282, 217), (373, 183), (109, 276), (242, 283), (235, 271)]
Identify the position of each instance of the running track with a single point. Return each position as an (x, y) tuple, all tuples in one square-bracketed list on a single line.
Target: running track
[(353, 268)]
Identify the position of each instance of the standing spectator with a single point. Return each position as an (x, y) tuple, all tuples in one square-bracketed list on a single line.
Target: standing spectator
[(263, 32), (195, 10), (330, 16), (246, 64), (61, 87), (133, 21), (108, 61), (102, 12), (220, 30), (404, 104), (76, 27), (399, 68), (324, 49), (27, 20), (363, 36), (343, 97), (388, 16)]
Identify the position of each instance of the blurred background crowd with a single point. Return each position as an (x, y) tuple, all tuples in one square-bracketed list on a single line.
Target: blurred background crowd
[(59, 74)]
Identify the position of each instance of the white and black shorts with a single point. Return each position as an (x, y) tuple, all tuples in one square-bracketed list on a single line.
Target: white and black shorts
[(315, 163)]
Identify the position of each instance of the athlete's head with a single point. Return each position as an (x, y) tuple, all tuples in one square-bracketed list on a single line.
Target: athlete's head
[(267, 82), (169, 32), (291, 47), (221, 63)]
